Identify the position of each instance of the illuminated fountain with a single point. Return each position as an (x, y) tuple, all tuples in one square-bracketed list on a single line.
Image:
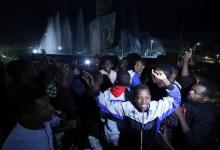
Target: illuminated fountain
[(153, 48), (66, 38), (58, 37), (140, 43), (80, 33)]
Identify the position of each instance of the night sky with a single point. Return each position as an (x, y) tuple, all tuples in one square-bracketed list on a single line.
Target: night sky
[(24, 20)]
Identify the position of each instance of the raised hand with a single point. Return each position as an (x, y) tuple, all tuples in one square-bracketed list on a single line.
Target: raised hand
[(163, 134), (89, 80), (159, 74)]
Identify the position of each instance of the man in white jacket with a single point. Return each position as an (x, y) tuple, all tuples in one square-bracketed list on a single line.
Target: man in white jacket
[(142, 116), (119, 92)]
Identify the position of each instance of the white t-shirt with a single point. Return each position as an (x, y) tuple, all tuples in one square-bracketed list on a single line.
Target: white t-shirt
[(22, 138), (112, 75)]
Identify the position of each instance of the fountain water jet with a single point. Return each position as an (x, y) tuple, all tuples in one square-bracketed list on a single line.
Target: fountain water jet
[(56, 40), (80, 32)]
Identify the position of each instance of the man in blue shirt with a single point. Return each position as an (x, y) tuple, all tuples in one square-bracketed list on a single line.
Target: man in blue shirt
[(33, 130), (136, 74)]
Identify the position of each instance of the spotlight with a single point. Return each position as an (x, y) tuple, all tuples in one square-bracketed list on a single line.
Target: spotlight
[(59, 48), (87, 62), (34, 51)]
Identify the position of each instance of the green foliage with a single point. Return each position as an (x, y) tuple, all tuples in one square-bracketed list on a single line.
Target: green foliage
[(10, 51)]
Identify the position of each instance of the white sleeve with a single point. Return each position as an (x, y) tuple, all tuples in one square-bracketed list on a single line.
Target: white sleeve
[(167, 105), (118, 109)]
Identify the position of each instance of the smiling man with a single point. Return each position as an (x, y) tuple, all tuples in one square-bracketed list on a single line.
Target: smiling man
[(141, 116)]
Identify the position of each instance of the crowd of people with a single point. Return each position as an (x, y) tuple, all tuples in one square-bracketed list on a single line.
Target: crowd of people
[(111, 104)]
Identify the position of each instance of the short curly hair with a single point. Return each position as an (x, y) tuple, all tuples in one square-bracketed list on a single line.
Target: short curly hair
[(210, 88)]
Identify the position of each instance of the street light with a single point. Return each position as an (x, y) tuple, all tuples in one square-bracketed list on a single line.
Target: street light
[(194, 48), (151, 44)]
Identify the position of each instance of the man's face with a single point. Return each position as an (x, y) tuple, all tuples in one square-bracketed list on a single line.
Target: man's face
[(43, 110), (143, 99), (107, 66), (197, 93), (138, 67), (156, 81), (124, 64)]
